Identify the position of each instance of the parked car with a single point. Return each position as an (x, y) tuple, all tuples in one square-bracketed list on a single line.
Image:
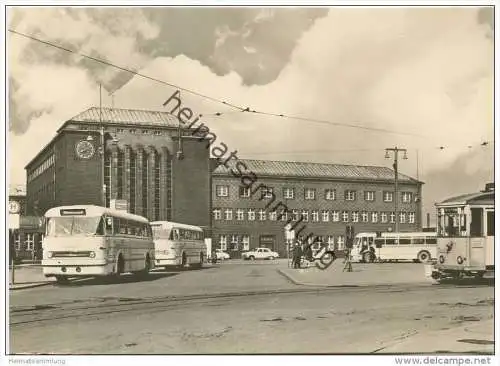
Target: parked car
[(259, 253), (221, 255)]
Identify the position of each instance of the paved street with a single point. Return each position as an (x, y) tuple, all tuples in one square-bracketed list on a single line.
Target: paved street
[(244, 308)]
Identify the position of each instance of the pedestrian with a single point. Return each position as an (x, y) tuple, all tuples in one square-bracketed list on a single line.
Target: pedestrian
[(297, 254)]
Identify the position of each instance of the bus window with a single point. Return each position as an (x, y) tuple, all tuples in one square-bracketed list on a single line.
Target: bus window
[(490, 223), (379, 243), (390, 241), (175, 234), (430, 241), (418, 241), (476, 222), (109, 226), (100, 229), (404, 241), (116, 225)]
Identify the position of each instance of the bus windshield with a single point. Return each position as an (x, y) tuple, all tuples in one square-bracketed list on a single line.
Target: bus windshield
[(159, 232), (71, 226)]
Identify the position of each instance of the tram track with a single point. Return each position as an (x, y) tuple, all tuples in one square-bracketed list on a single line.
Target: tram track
[(49, 312)]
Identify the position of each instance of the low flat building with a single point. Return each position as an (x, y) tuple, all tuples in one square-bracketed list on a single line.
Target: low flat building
[(321, 199)]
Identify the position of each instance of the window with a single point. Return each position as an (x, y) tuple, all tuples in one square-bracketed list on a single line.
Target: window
[(340, 242), (217, 214), (245, 239), (145, 132), (266, 192), (315, 216), (222, 191), (325, 215), (335, 216), (490, 223), (17, 241), (245, 192), (223, 242), (310, 194), (404, 241), (283, 215), (388, 196), (240, 215), (350, 195), (251, 215), (157, 133), (330, 240), (364, 216), (132, 130), (305, 215), (296, 216), (383, 217), (374, 216), (406, 197), (234, 243), (393, 217), (402, 218), (330, 194), (262, 215), (355, 216), (411, 217), (228, 214), (29, 241), (369, 195), (273, 216), (288, 193), (345, 216)]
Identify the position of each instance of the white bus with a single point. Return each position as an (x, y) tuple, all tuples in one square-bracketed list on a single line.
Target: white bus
[(178, 244), (416, 246), (88, 240)]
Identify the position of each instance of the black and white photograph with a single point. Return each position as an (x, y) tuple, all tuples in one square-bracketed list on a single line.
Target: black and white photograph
[(237, 179)]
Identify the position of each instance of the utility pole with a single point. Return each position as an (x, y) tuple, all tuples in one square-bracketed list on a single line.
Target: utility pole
[(396, 152), (102, 148)]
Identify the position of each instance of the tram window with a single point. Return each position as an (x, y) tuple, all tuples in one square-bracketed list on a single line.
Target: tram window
[(476, 222), (490, 223)]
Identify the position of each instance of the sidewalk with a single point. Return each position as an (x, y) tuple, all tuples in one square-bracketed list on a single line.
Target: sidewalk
[(363, 274), (28, 276), (474, 338)]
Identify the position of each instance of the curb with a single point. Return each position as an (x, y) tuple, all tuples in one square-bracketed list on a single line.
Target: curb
[(299, 283), (29, 285)]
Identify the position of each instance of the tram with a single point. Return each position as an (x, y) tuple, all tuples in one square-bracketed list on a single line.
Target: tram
[(466, 235)]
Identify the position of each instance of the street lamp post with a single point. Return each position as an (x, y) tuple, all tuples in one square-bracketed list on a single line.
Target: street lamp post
[(396, 151)]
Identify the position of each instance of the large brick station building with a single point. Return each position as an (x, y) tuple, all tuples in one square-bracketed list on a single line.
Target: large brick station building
[(103, 155), (328, 197)]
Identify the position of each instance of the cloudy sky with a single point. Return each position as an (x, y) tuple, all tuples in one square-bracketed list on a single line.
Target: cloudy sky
[(425, 73)]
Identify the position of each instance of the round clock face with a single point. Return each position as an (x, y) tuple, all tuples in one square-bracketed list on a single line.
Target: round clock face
[(14, 207), (84, 149)]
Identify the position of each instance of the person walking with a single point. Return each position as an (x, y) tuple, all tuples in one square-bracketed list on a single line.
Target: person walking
[(297, 254)]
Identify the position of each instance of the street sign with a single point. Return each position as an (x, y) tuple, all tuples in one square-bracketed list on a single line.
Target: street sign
[(13, 221), (289, 233), (119, 205)]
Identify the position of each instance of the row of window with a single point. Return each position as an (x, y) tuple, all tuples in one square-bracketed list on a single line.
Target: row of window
[(311, 194), (236, 242), (46, 164), (131, 130), (315, 215), (28, 243)]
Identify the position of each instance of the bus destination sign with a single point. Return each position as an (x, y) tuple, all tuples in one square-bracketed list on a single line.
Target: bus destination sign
[(72, 212)]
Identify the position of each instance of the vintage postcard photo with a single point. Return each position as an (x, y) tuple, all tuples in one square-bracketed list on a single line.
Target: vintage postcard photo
[(242, 180)]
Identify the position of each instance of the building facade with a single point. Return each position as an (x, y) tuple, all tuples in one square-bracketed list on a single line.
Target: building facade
[(321, 199), (134, 157)]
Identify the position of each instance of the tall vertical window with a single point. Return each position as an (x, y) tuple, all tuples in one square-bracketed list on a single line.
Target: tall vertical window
[(383, 217), (355, 216), (364, 216), (17, 241), (262, 215), (29, 241), (335, 216), (402, 217), (374, 217), (132, 181), (305, 215), (251, 215), (392, 217), (223, 242), (107, 178), (411, 217), (240, 215), (388, 196), (145, 183), (315, 216), (345, 216), (228, 214), (325, 215), (330, 240), (217, 214), (234, 242), (157, 188), (340, 242), (245, 239), (119, 172), (296, 215), (330, 194), (272, 215), (244, 192), (406, 197)]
